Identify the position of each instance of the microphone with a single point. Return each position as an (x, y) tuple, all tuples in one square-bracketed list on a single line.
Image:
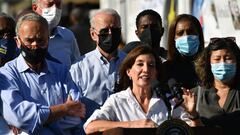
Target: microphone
[(157, 87), (176, 91), (161, 93)]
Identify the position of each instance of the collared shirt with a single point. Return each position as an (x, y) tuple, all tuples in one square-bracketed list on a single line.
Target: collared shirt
[(26, 95), (96, 77), (5, 130), (63, 46), (123, 106)]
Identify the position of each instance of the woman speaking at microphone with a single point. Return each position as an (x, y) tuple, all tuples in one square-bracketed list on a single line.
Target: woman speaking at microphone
[(136, 105)]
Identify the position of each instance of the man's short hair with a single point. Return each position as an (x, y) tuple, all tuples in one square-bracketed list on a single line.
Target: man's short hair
[(31, 17), (148, 12), (109, 11)]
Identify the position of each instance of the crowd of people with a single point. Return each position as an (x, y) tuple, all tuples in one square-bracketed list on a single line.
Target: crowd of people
[(47, 87)]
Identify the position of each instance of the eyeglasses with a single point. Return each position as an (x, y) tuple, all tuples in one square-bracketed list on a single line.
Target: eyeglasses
[(105, 31), (217, 39)]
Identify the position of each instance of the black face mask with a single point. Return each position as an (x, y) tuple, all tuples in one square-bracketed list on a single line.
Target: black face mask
[(151, 37), (109, 43), (33, 56)]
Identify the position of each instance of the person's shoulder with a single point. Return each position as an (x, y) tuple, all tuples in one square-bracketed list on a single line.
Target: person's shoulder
[(121, 95), (57, 67), (121, 54), (131, 45), (9, 70), (10, 64), (65, 32), (86, 56), (82, 60), (15, 63), (64, 29)]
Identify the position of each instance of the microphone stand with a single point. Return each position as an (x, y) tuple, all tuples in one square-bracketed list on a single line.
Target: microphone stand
[(161, 93), (167, 103), (169, 108)]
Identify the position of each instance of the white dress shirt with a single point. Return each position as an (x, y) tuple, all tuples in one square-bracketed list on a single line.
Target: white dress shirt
[(123, 106)]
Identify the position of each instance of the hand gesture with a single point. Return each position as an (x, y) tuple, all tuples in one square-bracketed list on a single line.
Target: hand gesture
[(75, 108), (189, 101)]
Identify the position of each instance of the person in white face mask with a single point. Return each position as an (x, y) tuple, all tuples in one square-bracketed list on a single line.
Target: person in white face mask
[(52, 15), (62, 45)]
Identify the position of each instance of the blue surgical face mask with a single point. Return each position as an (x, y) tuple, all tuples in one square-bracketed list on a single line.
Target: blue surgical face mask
[(187, 45), (224, 71)]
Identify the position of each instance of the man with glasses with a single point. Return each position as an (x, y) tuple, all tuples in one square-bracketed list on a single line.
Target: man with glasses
[(38, 95), (96, 72), (62, 44)]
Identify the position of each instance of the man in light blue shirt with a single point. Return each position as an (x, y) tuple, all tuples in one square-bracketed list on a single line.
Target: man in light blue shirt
[(97, 71), (62, 44), (38, 95)]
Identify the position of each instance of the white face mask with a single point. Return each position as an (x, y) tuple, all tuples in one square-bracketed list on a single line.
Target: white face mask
[(52, 15)]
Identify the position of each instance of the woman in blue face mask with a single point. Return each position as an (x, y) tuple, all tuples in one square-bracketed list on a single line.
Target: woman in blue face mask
[(218, 98), (185, 42)]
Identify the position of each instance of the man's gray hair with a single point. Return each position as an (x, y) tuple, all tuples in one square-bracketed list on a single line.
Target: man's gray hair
[(31, 17), (36, 1), (109, 11)]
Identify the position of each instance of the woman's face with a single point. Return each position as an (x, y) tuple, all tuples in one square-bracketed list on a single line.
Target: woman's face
[(186, 38), (223, 65), (185, 27), (143, 71), (222, 55)]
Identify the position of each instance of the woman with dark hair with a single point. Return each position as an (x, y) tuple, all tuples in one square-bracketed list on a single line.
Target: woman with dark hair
[(218, 68), (185, 42), (137, 105)]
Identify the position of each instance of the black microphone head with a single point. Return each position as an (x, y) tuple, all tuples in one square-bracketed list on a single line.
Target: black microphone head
[(171, 83), (175, 88), (158, 87), (155, 84)]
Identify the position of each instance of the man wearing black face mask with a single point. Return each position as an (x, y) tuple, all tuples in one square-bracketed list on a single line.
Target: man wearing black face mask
[(149, 31), (38, 95), (96, 72)]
